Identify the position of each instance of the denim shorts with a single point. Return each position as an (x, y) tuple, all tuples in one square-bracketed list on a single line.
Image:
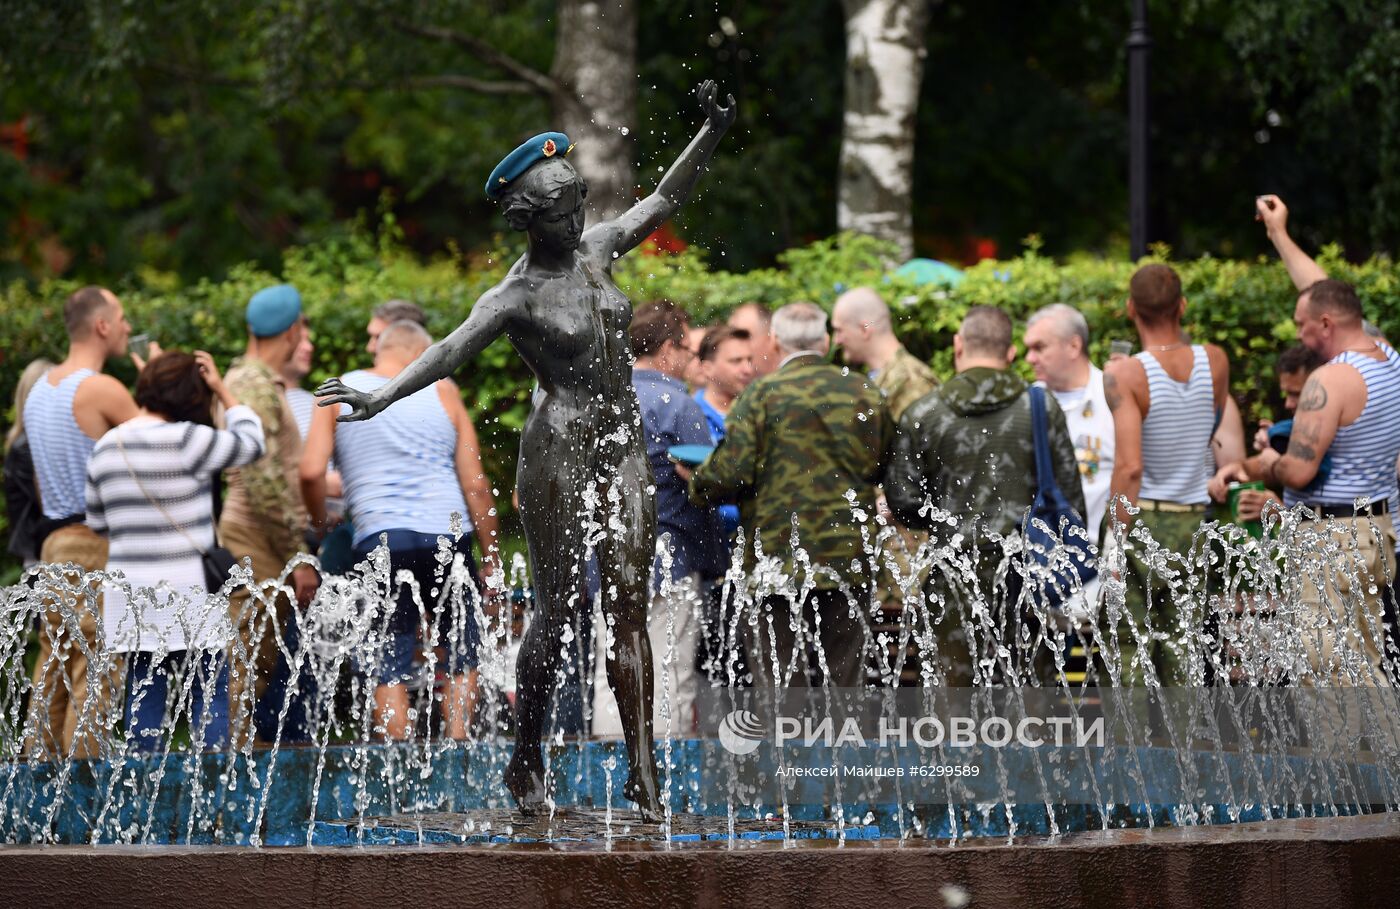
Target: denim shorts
[(416, 553)]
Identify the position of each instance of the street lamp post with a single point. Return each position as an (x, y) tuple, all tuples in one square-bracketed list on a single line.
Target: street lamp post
[(1139, 47)]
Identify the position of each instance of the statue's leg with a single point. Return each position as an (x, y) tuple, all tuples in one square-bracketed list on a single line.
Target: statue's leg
[(625, 561), (551, 509)]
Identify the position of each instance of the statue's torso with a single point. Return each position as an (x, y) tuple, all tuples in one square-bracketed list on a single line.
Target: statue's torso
[(572, 332)]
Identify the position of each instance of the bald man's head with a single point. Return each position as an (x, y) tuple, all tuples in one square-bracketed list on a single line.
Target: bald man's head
[(860, 325)]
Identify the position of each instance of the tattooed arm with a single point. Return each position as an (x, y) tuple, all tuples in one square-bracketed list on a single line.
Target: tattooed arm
[(1314, 426), (1320, 414)]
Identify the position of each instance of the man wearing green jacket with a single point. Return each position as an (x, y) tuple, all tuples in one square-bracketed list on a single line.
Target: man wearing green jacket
[(805, 448), (968, 448)]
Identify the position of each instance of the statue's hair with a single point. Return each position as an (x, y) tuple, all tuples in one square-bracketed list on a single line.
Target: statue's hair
[(537, 189)]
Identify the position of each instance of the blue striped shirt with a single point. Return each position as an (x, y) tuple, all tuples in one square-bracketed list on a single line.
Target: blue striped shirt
[(399, 470), (1176, 457), (59, 446), (1364, 452)]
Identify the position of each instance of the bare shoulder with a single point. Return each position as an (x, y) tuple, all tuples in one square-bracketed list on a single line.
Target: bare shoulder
[(1124, 371), (450, 395), (1217, 356), (1333, 379), (1123, 378), (599, 242), (99, 388), (509, 294)]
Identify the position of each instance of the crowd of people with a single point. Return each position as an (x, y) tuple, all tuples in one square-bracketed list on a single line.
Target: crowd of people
[(808, 458)]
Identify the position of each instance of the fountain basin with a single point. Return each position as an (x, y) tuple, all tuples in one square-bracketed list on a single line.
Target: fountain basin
[(1273, 865)]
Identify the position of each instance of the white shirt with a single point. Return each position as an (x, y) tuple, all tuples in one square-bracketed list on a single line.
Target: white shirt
[(1090, 425)]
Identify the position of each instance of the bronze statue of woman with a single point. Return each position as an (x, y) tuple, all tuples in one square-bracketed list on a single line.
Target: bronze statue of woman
[(583, 476)]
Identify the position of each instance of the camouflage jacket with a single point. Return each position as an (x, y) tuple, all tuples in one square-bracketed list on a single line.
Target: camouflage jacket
[(266, 494), (806, 444), (968, 447), (904, 380)]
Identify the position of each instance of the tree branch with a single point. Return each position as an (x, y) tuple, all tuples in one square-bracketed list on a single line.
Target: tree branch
[(488, 54), (190, 74), (446, 80)]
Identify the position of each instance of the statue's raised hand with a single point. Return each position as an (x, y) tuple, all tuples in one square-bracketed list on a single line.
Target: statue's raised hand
[(363, 405), (720, 117)]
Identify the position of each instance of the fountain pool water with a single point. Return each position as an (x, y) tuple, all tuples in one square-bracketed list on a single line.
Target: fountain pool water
[(1263, 743)]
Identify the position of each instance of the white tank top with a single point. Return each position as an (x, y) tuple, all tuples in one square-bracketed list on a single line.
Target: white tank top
[(1176, 432), (1363, 453), (399, 469), (58, 445)]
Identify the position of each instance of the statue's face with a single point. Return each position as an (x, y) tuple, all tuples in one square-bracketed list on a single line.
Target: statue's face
[(561, 225)]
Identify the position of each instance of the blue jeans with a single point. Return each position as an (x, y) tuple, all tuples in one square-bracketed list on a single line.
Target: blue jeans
[(416, 553), (148, 692)]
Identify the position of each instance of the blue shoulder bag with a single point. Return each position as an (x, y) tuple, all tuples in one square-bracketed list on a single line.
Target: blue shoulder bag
[(1061, 560)]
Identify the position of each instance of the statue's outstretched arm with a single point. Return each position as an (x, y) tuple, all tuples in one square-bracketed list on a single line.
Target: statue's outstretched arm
[(634, 226), (484, 324)]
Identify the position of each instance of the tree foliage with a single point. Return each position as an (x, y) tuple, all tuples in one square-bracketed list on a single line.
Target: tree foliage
[(1245, 306), (192, 135)]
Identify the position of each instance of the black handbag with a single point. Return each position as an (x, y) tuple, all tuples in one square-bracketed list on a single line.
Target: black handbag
[(218, 565)]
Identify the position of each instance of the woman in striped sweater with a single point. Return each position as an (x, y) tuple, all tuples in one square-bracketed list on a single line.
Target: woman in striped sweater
[(149, 489)]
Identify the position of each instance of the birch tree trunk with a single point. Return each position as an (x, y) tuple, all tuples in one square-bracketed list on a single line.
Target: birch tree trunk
[(884, 68), (595, 102)]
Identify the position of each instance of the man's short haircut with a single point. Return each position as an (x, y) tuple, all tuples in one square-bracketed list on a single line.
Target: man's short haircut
[(399, 311), (82, 309), (716, 335), (760, 309), (1299, 357), (1068, 321), (655, 323), (986, 330), (404, 334), (1155, 291), (800, 326), (866, 306), (1336, 297)]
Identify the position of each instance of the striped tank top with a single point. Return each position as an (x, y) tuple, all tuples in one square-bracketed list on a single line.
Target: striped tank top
[(399, 469), (59, 447), (1363, 453), (1176, 432)]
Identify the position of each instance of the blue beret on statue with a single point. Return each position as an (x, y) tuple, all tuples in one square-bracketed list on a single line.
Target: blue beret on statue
[(545, 145), (273, 310)]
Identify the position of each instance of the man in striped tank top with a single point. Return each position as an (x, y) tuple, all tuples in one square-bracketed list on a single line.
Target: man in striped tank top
[(1349, 411), (69, 409), (1165, 402)]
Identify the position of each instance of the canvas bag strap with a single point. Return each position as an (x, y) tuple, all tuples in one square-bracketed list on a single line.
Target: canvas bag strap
[(1040, 432), (171, 521)]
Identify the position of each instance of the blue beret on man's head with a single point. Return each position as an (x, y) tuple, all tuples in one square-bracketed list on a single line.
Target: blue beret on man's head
[(273, 310), (545, 145)]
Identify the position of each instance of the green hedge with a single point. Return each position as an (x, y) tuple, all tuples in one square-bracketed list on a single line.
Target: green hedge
[(1246, 307)]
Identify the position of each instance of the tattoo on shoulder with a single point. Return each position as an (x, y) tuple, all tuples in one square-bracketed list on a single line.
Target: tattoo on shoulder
[(1314, 396), (1111, 392)]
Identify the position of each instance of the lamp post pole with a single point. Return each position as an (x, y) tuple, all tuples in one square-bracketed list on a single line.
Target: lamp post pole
[(1139, 46)]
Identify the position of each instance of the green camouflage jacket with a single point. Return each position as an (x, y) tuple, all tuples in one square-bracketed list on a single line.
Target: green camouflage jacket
[(903, 381), (266, 494), (968, 447), (807, 443)]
